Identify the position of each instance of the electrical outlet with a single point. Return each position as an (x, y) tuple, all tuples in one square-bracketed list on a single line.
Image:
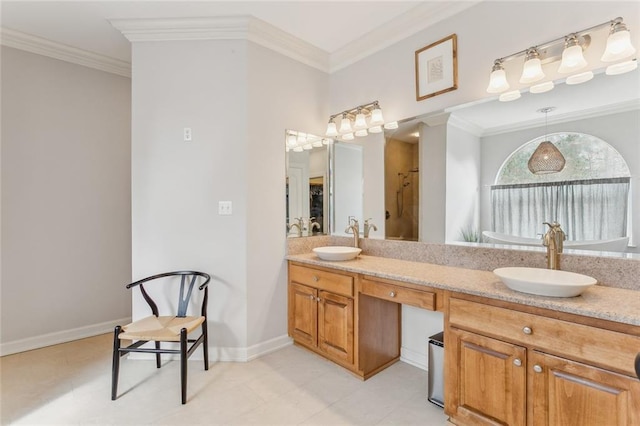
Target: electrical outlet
[(187, 134), (225, 207)]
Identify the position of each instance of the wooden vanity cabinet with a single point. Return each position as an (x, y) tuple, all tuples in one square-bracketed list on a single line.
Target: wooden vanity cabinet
[(321, 312), (505, 366)]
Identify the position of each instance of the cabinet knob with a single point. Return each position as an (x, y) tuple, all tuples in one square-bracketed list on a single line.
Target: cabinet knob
[(316, 278), (527, 330), (392, 294), (312, 297), (318, 299), (517, 362), (537, 368)]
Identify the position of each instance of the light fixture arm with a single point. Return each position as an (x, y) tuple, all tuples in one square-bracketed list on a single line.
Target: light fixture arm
[(577, 34), (351, 113)]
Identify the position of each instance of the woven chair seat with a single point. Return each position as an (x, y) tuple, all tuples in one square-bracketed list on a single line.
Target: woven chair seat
[(164, 329)]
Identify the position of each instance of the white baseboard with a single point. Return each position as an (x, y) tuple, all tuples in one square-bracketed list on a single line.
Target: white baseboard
[(58, 337), (417, 359)]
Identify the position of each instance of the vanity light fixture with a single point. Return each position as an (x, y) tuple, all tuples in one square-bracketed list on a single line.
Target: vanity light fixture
[(542, 87), (532, 69), (299, 141), (546, 158), (572, 57), (498, 80), (618, 43), (619, 50), (354, 122)]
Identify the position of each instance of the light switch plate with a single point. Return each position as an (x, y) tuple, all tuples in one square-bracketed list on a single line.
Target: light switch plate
[(225, 207)]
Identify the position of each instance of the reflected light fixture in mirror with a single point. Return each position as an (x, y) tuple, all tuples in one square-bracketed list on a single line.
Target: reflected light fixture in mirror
[(618, 50), (546, 158), (299, 141), (360, 127)]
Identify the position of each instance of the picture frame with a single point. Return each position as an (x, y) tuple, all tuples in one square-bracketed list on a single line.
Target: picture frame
[(437, 68)]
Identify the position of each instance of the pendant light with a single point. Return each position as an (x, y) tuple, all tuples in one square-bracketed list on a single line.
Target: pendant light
[(546, 158)]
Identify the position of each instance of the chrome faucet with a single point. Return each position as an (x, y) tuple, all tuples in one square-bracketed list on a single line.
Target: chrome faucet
[(298, 224), (354, 227), (368, 225), (553, 240)]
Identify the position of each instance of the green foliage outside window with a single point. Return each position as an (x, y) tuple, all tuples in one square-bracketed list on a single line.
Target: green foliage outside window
[(587, 157)]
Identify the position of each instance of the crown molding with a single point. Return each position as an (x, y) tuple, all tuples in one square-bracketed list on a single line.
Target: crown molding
[(224, 28), (601, 111), (405, 25), (63, 52), (465, 125)]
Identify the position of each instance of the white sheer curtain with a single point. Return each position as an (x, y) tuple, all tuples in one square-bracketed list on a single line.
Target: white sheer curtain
[(591, 209)]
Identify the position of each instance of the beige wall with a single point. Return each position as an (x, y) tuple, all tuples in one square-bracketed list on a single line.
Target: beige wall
[(66, 216)]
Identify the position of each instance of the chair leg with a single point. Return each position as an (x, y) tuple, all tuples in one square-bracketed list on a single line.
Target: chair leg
[(183, 365), (115, 367), (158, 362), (205, 344)]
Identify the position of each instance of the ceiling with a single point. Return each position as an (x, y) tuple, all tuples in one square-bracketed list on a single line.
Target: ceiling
[(328, 25)]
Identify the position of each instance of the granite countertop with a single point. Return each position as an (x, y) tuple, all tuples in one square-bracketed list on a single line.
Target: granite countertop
[(613, 304)]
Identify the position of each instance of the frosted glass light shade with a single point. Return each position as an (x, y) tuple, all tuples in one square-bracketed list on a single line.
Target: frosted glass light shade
[(345, 125), (579, 78), (572, 60), (510, 96), (622, 67), (532, 71), (361, 132), (391, 125), (298, 149), (332, 130), (361, 122), (291, 140), (348, 137), (307, 146), (542, 87), (317, 143), (375, 129), (546, 159), (498, 82), (618, 44), (376, 117)]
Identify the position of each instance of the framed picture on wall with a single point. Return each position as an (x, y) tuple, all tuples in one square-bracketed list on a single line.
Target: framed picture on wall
[(437, 68)]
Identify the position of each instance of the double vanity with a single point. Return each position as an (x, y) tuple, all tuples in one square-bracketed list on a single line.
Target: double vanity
[(510, 358)]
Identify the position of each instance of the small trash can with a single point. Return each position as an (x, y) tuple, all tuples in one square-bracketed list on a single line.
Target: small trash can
[(436, 369)]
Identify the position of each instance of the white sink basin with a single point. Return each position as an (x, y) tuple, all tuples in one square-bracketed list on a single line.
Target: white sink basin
[(337, 252), (544, 282)]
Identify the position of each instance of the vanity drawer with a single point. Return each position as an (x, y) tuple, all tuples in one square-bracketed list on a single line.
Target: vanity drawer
[(399, 294), (323, 280), (585, 343)]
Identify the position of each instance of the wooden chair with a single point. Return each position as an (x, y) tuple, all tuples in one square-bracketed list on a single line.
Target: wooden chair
[(157, 329)]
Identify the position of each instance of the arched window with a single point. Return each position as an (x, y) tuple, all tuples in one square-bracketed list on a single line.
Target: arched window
[(589, 197)]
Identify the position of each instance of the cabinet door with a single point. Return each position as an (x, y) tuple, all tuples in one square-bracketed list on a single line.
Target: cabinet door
[(570, 393), (303, 314), (335, 326), (489, 380)]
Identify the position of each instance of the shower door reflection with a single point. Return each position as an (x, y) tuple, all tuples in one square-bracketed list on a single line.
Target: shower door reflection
[(402, 180)]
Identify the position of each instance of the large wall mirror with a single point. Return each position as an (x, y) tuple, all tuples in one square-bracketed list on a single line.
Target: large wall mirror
[(433, 178)]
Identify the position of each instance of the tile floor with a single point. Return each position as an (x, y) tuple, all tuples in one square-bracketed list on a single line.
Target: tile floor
[(69, 384)]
